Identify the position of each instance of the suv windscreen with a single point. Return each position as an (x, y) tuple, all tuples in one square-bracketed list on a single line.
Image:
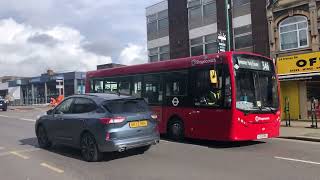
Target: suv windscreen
[(126, 106)]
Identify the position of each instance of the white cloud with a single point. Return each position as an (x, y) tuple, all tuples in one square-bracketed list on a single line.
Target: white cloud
[(26, 50), (133, 54)]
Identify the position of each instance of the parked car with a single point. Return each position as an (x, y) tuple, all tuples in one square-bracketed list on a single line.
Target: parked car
[(3, 104), (97, 123)]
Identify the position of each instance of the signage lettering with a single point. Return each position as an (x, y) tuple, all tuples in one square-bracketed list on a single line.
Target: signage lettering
[(299, 64), (255, 64)]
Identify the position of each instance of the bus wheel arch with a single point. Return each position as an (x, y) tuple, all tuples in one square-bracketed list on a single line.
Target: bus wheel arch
[(176, 128)]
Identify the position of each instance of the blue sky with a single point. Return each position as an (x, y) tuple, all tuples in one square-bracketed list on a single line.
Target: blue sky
[(68, 35)]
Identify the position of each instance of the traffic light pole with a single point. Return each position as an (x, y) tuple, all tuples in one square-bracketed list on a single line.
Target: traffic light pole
[(227, 6)]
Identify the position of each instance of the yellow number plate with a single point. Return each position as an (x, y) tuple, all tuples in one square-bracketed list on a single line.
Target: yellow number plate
[(136, 124), (143, 123)]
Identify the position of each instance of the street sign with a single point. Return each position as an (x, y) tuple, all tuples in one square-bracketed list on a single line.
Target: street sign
[(221, 42), (59, 86)]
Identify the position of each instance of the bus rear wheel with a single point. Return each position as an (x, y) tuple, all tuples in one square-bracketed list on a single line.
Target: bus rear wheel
[(176, 129)]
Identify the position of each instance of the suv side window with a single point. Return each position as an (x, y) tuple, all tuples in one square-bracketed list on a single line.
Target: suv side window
[(64, 107), (83, 105)]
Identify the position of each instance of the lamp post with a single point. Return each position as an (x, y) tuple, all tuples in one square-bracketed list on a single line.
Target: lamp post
[(227, 7)]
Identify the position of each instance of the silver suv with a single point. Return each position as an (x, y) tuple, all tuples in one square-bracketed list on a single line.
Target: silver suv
[(97, 123)]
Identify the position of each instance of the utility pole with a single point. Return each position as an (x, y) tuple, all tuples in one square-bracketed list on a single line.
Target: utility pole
[(227, 7)]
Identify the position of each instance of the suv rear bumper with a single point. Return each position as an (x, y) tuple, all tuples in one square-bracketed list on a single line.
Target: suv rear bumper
[(3, 105), (125, 144)]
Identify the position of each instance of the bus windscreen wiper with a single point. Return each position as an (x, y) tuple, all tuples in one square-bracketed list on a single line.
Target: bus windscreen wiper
[(271, 110)]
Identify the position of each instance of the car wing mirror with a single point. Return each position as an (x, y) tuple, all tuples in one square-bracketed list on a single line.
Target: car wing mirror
[(49, 112)]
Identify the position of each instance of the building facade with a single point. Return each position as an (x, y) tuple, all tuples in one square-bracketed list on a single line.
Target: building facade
[(183, 28), (294, 43), (39, 90)]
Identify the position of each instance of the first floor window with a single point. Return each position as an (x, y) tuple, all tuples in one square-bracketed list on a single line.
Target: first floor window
[(293, 33)]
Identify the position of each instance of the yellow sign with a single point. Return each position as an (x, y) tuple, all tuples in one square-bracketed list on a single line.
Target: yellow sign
[(297, 64), (213, 77)]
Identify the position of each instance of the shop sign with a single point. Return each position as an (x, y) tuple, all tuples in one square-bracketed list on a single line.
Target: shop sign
[(297, 64)]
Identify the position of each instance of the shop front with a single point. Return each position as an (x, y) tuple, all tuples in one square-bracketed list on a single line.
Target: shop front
[(299, 77)]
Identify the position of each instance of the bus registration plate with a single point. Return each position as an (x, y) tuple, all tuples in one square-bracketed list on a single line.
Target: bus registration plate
[(262, 136)]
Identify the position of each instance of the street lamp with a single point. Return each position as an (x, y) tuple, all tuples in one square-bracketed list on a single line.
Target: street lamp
[(227, 7)]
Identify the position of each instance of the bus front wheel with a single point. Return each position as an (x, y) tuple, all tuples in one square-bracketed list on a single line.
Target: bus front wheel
[(176, 129)]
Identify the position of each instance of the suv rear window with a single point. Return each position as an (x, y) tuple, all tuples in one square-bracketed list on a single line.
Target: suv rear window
[(126, 106)]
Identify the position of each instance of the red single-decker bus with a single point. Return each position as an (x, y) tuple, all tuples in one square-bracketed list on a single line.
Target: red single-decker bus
[(230, 96)]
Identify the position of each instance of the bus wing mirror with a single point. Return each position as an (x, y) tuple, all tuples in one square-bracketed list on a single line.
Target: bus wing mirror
[(213, 77)]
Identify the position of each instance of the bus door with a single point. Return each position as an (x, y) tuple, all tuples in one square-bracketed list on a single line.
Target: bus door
[(210, 102), (176, 99)]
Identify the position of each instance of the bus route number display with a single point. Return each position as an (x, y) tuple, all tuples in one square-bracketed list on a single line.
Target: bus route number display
[(247, 63)]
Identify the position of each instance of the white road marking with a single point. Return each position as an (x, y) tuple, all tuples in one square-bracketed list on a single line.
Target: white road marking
[(19, 155), (30, 120), (296, 141), (22, 119), (297, 160), (21, 151), (52, 168)]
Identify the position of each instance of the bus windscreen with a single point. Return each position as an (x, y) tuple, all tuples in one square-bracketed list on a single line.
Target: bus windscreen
[(256, 84)]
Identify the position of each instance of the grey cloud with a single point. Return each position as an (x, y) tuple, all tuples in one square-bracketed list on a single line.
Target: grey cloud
[(103, 47), (43, 39)]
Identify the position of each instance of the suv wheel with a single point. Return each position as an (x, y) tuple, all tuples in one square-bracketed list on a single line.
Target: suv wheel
[(89, 148), (42, 137)]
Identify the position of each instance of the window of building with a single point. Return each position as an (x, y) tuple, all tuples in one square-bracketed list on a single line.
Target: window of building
[(237, 3), (241, 7), (243, 37), (201, 13), (293, 33), (158, 25), (203, 45), (159, 53)]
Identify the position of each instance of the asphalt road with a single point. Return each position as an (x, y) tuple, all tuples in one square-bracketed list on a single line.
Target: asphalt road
[(274, 159)]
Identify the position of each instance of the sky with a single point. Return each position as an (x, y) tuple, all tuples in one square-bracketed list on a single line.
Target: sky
[(70, 35)]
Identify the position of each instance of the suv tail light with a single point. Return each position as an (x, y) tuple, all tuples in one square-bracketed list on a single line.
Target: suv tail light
[(113, 120), (154, 116)]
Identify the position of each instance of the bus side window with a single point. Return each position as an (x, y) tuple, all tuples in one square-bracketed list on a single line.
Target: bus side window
[(153, 92), (207, 93), (136, 87), (176, 84), (227, 91), (110, 86), (125, 86), (98, 86)]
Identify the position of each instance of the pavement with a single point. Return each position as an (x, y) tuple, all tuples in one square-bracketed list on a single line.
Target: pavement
[(300, 130), (280, 159)]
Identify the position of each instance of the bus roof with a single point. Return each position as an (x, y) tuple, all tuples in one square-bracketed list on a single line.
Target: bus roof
[(169, 65)]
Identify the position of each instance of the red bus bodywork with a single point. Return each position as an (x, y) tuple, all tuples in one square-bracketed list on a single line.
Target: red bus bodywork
[(202, 123)]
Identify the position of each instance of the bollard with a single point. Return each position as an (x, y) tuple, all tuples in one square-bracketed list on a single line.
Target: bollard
[(287, 112), (314, 120)]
